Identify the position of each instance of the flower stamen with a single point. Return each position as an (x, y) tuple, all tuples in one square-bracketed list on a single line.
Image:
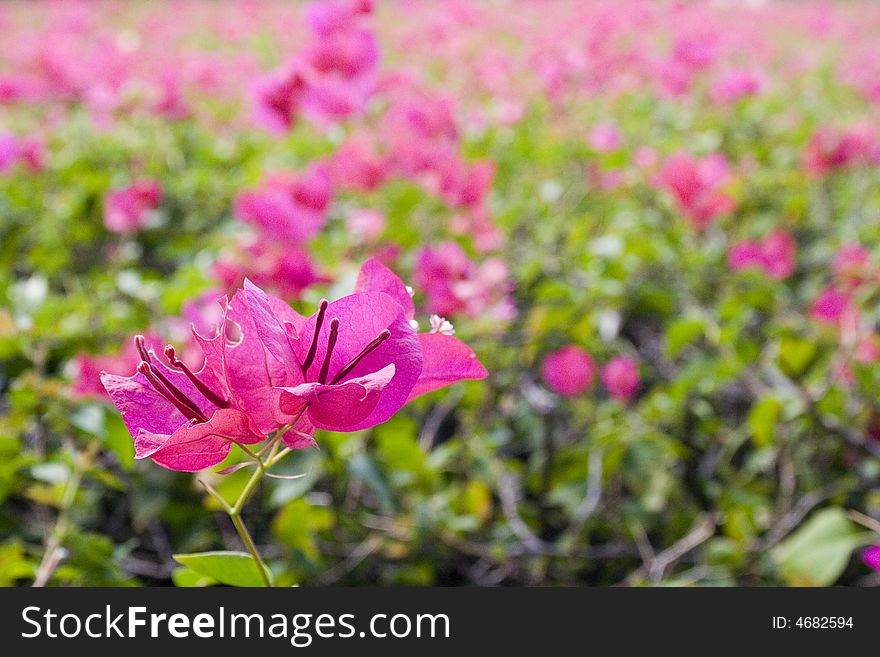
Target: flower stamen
[(209, 394), (171, 393), (331, 344), (313, 349), (383, 335)]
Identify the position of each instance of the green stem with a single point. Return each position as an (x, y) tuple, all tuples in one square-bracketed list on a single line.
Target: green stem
[(265, 458), (248, 541), (51, 555)]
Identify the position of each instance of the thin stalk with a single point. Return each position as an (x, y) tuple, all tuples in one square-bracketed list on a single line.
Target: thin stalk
[(52, 554), (268, 456)]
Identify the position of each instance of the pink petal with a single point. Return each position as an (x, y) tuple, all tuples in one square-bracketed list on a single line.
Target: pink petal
[(376, 277), (341, 407), (362, 316), (446, 360), (196, 447)]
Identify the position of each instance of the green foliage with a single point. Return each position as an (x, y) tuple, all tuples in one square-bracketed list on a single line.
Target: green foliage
[(232, 568), (817, 553)]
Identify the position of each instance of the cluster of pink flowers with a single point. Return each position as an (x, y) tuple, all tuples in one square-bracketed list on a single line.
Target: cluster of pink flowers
[(736, 84), (571, 371), (350, 366), (698, 186), (604, 137), (830, 150), (454, 284), (286, 210), (29, 152), (420, 142), (851, 269), (331, 78), (774, 255), (836, 307), (128, 208)]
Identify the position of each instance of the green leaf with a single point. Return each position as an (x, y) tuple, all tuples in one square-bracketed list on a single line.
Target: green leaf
[(763, 417), (232, 568), (681, 333), (296, 524), (188, 578), (795, 355), (817, 553)]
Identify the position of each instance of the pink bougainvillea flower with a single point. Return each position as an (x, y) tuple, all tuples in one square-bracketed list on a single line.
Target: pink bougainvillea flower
[(569, 371), (285, 269), (8, 151), (366, 225), (871, 557), (278, 98), (734, 85), (27, 151), (697, 185), (361, 359), (288, 207), (169, 101), (179, 419), (128, 209), (32, 153), (867, 349), (466, 185), (328, 17), (455, 284), (774, 255), (357, 165), (604, 138), (330, 79), (645, 157), (851, 265), (831, 306), (620, 376), (830, 150)]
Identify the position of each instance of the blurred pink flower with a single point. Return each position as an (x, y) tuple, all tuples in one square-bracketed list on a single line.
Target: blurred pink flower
[(645, 157), (871, 557), (568, 371), (829, 150), (327, 17), (697, 185), (831, 306), (365, 225), (356, 165), (285, 269), (278, 98), (127, 209), (851, 265), (620, 376), (774, 255), (169, 101), (288, 207), (87, 368), (466, 185), (735, 85), (867, 350), (27, 151), (454, 284), (604, 138)]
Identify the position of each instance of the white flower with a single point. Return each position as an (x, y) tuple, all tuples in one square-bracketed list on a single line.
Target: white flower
[(441, 325)]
